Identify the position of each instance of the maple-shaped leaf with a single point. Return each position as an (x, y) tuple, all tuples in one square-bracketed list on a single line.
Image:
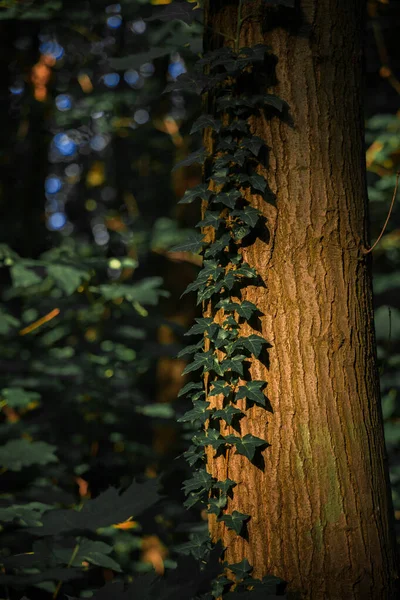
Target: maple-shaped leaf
[(196, 157), (246, 445), (225, 486), (198, 191), (189, 387), (241, 570), (108, 508), (206, 121), (252, 391), (193, 243), (235, 521)]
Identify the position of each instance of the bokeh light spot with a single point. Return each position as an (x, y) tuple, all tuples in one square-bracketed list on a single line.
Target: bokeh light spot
[(63, 102), (111, 80), (56, 221), (53, 184)]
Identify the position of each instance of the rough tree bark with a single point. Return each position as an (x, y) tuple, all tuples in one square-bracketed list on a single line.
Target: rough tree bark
[(321, 507)]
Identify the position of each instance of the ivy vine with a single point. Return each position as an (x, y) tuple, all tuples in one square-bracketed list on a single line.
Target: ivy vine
[(222, 354)]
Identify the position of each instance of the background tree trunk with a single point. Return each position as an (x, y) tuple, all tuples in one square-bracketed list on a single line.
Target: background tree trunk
[(321, 507)]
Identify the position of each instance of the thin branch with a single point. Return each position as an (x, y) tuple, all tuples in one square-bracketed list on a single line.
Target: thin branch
[(365, 251)]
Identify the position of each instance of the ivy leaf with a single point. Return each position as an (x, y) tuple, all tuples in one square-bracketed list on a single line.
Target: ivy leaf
[(196, 157), (241, 570), (253, 343), (193, 244), (16, 454), (219, 177), (245, 309), (206, 121), (200, 412), (192, 385), (193, 454), (246, 271), (211, 218), (234, 364), (218, 246), (199, 191), (228, 198), (246, 445), (229, 280), (240, 231), (227, 414), (190, 349), (215, 505), (220, 387), (201, 479), (181, 11), (252, 391), (235, 521), (202, 325), (254, 144), (26, 514), (225, 486)]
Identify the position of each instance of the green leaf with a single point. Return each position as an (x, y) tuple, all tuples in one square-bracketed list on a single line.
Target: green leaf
[(201, 479), (253, 143), (194, 243), (23, 277), (18, 397), (26, 514), (7, 322), (190, 349), (225, 486), (235, 521), (253, 343), (67, 278), (241, 570), (220, 177), (245, 309), (220, 387), (248, 215), (158, 410), (211, 218), (246, 271), (146, 291), (216, 505), (16, 454), (234, 364), (206, 121), (227, 414), (218, 246), (246, 445), (200, 412), (202, 325), (196, 157), (189, 387), (199, 191), (94, 552), (228, 198), (252, 391)]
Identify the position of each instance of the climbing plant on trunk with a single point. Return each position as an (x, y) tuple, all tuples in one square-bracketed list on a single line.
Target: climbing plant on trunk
[(290, 460)]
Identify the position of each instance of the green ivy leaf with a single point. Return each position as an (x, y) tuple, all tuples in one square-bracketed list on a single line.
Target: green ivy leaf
[(227, 414), (245, 309), (218, 246), (235, 521), (17, 397), (23, 277), (220, 387), (196, 157), (220, 177), (246, 271), (252, 391), (200, 412), (235, 364), (225, 486), (199, 191), (194, 454), (190, 349), (241, 570), (201, 479), (194, 243), (248, 215), (192, 385), (216, 505), (228, 198), (253, 343), (211, 218), (246, 445), (254, 144), (206, 121)]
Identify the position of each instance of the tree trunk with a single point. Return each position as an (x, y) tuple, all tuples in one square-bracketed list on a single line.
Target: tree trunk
[(321, 511)]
